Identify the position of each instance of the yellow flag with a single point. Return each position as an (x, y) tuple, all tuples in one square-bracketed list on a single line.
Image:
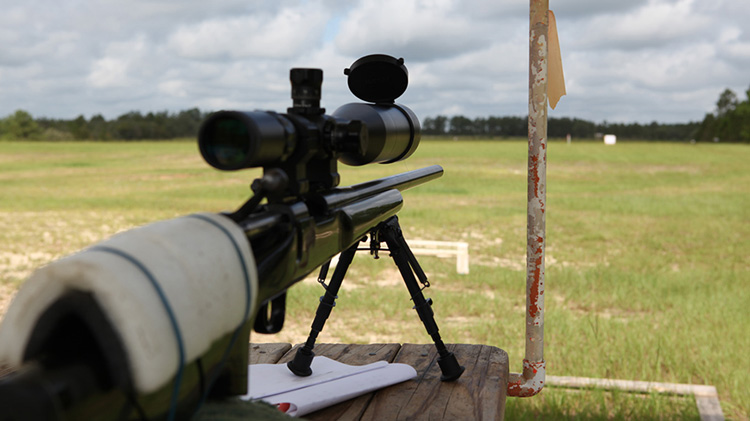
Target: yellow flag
[(555, 78)]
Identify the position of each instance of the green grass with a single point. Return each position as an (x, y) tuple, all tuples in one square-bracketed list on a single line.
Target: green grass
[(647, 270)]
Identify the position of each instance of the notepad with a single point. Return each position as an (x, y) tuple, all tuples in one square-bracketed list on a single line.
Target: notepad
[(331, 382)]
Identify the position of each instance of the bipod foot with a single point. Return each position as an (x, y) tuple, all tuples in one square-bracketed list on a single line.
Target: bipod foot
[(300, 365), (449, 367)]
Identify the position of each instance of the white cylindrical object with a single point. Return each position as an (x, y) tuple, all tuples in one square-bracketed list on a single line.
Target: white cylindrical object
[(199, 268)]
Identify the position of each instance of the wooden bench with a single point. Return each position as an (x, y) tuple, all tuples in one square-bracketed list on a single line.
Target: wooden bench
[(478, 395)]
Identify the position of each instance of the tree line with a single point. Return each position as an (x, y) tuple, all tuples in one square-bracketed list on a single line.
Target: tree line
[(164, 125), (129, 126), (502, 127), (730, 123)]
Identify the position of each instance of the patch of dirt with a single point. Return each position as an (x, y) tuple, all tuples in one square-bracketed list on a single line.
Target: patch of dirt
[(622, 315)]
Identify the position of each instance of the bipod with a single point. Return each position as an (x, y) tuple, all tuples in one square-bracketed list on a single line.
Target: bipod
[(390, 233)]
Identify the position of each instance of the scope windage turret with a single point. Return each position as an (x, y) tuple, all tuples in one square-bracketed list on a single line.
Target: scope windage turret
[(304, 141)]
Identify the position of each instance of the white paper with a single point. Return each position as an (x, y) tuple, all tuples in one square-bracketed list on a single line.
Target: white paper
[(331, 382)]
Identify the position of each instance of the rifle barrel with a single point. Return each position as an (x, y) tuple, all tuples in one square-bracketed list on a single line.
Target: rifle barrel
[(404, 181)]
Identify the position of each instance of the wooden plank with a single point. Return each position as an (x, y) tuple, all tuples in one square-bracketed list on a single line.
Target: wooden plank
[(479, 394), (706, 397), (709, 408), (354, 355), (351, 354), (631, 385), (5, 369), (444, 249), (267, 353), (482, 388)]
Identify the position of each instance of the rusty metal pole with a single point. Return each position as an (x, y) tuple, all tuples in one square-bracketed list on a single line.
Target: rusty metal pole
[(531, 381)]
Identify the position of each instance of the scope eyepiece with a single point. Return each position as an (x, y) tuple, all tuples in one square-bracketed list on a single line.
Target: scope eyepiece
[(393, 132)]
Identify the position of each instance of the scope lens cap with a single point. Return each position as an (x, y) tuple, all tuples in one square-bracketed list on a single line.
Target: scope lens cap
[(378, 78)]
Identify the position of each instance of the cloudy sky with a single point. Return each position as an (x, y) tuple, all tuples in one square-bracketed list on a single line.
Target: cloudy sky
[(633, 60)]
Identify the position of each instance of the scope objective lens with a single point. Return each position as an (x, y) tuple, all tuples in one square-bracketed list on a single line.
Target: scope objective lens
[(233, 140), (230, 146)]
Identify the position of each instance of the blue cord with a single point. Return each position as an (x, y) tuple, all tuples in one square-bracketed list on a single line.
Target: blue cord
[(172, 320), (239, 255), (248, 291)]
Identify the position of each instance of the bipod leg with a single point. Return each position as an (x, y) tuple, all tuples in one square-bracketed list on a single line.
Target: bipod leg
[(300, 365), (390, 232)]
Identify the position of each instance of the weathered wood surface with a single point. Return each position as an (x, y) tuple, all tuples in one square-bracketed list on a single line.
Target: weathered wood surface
[(478, 395), (5, 369), (267, 353)]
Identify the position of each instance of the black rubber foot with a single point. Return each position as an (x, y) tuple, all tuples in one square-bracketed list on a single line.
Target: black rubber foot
[(300, 365), (450, 368)]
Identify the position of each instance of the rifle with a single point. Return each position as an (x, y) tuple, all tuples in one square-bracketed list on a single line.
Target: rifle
[(154, 321)]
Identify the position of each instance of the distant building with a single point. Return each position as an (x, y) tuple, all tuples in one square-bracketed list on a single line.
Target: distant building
[(610, 139)]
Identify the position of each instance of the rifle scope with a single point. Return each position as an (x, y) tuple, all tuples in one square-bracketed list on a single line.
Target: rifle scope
[(355, 134)]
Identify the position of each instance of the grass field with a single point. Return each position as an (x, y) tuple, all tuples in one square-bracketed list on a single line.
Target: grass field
[(647, 275)]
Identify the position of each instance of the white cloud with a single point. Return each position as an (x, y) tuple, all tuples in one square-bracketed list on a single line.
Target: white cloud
[(733, 47), (639, 60), (282, 36), (109, 72), (121, 64), (421, 30), (578, 9), (654, 25), (175, 88)]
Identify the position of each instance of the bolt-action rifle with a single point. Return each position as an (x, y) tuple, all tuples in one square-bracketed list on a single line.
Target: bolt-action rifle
[(154, 321)]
